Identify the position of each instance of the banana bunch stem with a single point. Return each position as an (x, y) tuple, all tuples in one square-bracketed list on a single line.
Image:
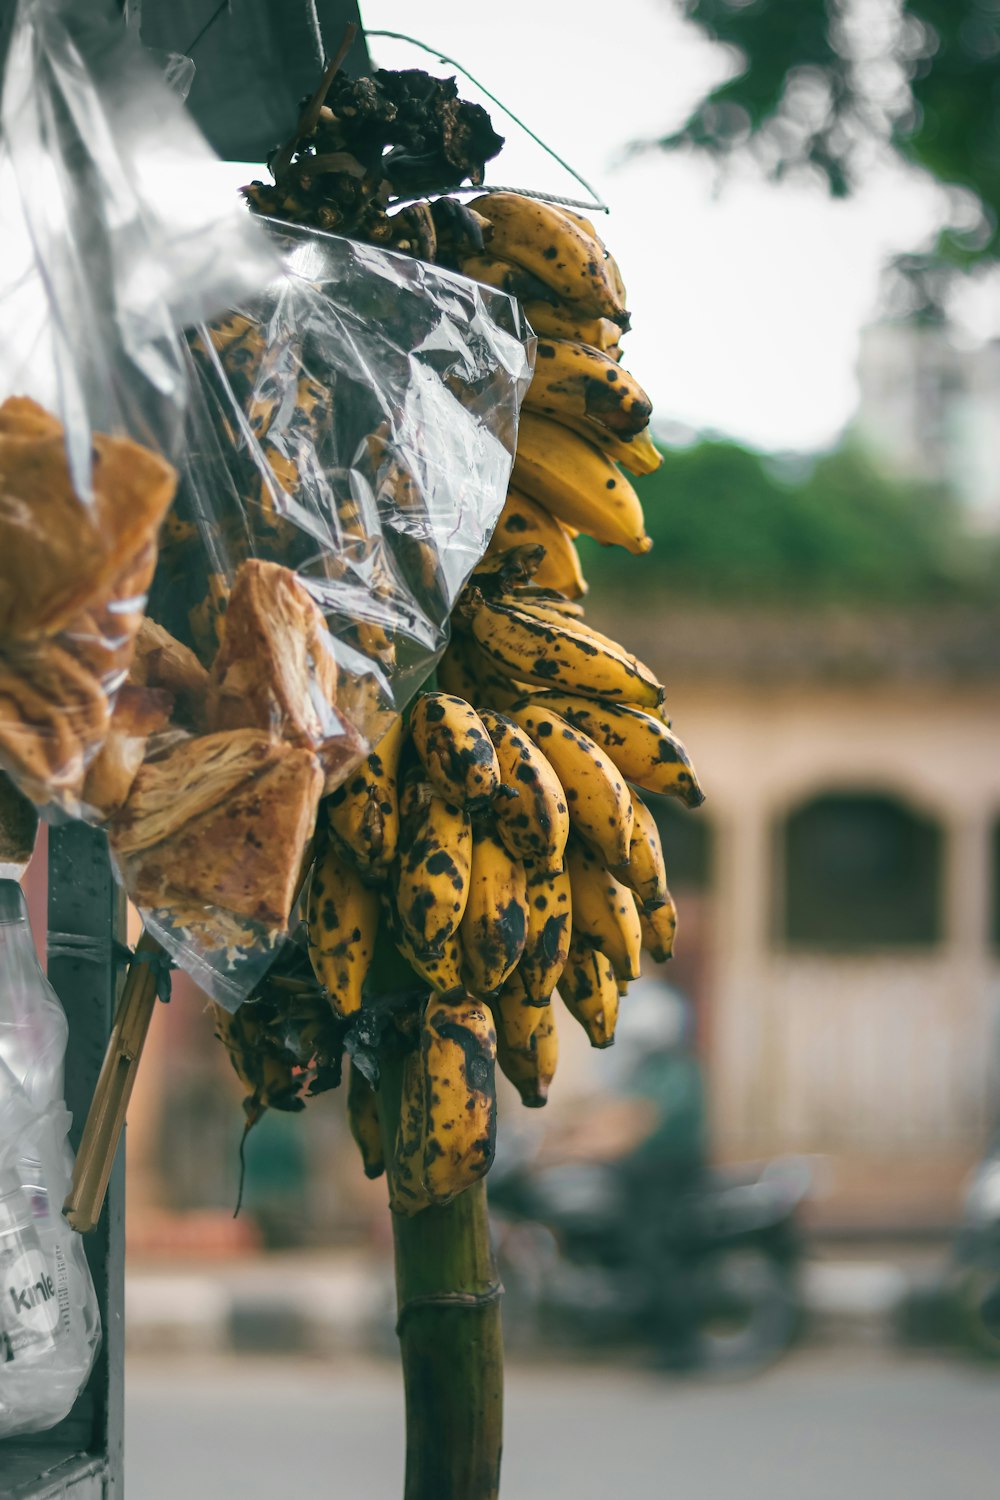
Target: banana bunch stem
[(451, 1345)]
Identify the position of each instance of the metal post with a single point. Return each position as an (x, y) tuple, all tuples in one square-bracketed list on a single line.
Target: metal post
[(81, 1459)]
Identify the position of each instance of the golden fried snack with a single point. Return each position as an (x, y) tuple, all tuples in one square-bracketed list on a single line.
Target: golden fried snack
[(243, 854), (60, 555), (189, 781), (275, 669), (139, 712), (161, 661), (53, 717)]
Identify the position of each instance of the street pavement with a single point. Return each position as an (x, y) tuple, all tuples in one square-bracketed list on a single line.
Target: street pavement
[(836, 1424)]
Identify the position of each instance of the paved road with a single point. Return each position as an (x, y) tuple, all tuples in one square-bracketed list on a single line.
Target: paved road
[(821, 1426)]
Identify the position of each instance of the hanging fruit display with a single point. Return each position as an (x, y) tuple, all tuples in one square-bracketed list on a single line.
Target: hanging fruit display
[(498, 842)]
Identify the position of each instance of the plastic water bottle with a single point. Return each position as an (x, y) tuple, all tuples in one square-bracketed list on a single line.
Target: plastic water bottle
[(29, 1303), (32, 1022)]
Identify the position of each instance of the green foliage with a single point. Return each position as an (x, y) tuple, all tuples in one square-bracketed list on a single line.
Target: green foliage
[(816, 88), (731, 525)]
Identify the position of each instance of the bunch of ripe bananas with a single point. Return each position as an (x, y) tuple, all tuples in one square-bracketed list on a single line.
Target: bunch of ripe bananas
[(497, 842), (500, 842), (584, 417)]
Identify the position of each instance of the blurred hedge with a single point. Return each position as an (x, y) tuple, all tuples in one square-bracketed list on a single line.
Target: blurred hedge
[(731, 525)]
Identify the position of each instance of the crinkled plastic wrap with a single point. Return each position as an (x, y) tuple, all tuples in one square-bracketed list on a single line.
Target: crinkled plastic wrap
[(351, 436), (114, 238)]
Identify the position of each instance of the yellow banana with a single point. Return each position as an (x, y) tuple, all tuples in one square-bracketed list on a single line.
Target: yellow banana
[(659, 929), (600, 807), (509, 568), (645, 874), (542, 609), (432, 884), (495, 921), (604, 912), (507, 277), (494, 687), (611, 265), (440, 971), (456, 752), (561, 321), (523, 521), (589, 991), (407, 1194), (639, 454), (542, 239), (645, 751), (553, 653), (568, 610), (546, 947), (577, 483), (458, 1048), (585, 383), (527, 1042), (362, 1117), (342, 924), (530, 812), (363, 812)]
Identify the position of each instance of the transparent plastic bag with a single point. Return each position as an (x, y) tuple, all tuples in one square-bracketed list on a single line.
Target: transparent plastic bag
[(350, 439), (113, 240), (49, 1320)]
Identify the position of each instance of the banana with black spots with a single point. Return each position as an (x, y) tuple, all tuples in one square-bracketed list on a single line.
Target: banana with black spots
[(589, 991), (638, 454), (578, 483), (363, 812), (522, 520), (432, 878), (611, 265), (458, 1048), (646, 873), (530, 811), (547, 612), (527, 1042), (362, 1117), (495, 921), (561, 321), (550, 924), (505, 276), (604, 912), (342, 919), (659, 930), (555, 249), (441, 971), (645, 751), (456, 752), (600, 807), (553, 653), (588, 385)]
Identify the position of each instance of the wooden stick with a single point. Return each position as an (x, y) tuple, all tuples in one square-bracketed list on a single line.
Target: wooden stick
[(309, 118), (106, 1116)]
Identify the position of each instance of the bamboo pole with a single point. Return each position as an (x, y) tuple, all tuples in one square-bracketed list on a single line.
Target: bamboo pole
[(450, 1339), (106, 1117)]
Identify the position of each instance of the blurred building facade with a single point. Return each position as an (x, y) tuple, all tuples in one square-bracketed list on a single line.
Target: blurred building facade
[(928, 412), (839, 908), (839, 940)]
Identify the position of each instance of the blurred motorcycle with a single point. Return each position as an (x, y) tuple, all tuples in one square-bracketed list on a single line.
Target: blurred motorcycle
[(615, 1229), (597, 1253), (975, 1277)]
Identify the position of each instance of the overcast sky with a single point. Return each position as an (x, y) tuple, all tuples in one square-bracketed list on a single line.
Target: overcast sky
[(747, 303)]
